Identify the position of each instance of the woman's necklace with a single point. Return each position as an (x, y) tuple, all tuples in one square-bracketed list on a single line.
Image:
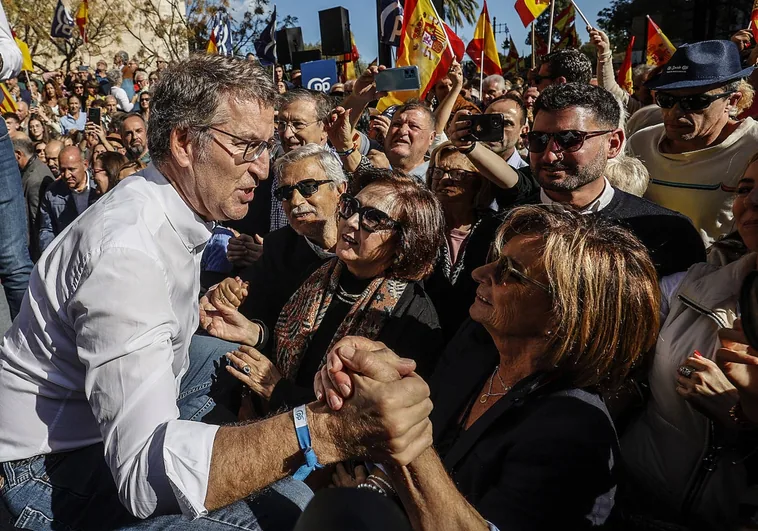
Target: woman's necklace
[(483, 399)]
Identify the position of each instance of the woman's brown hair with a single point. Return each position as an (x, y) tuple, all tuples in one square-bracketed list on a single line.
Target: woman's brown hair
[(605, 292)]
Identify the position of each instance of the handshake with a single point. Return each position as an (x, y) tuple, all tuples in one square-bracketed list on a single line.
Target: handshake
[(380, 405)]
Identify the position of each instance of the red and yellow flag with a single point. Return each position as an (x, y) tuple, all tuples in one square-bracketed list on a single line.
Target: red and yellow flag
[(82, 18), (424, 43), (25, 55), (625, 72), (483, 48), (6, 102), (511, 60), (212, 48), (659, 47), (349, 59), (754, 20), (528, 10), (569, 39), (564, 19)]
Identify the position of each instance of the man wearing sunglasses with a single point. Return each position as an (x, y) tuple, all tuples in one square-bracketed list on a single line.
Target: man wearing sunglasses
[(700, 149), (575, 133)]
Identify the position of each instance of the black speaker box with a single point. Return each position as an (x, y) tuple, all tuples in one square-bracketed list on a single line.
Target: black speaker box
[(335, 31), (305, 56), (288, 41)]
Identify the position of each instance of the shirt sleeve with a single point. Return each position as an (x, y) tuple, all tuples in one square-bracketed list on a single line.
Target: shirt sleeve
[(124, 324), (122, 99), (12, 60)]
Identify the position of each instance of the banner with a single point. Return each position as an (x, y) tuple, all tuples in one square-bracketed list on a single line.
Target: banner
[(528, 10), (391, 22), (625, 72), (63, 23), (221, 34), (265, 44), (319, 75), (483, 49)]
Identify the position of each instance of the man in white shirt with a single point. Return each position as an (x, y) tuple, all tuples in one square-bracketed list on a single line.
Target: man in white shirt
[(96, 365)]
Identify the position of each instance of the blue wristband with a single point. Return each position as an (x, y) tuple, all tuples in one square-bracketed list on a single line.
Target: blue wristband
[(304, 440)]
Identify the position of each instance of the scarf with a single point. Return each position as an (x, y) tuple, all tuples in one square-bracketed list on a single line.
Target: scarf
[(450, 270), (302, 315)]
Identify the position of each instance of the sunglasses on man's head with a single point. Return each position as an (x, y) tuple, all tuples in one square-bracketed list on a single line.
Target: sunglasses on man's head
[(305, 188), (696, 102), (370, 219), (566, 141)]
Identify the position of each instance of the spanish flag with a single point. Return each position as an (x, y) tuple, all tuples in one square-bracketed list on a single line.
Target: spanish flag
[(82, 18), (564, 19), (483, 46), (424, 43), (511, 65), (754, 20), (529, 10), (659, 47), (27, 57), (349, 59), (625, 72), (212, 48)]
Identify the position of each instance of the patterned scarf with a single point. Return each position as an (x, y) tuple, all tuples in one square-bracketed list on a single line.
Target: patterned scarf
[(450, 270), (303, 313)]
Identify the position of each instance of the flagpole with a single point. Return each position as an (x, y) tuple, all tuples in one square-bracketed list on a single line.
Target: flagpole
[(481, 74), (550, 30), (586, 21), (534, 58)]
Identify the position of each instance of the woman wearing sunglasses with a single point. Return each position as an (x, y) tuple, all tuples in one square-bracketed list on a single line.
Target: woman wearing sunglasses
[(389, 234), (465, 197), (522, 439)]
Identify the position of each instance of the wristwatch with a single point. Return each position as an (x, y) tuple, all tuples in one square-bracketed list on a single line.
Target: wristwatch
[(467, 150)]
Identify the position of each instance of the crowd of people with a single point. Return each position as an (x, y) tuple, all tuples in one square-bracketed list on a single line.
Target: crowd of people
[(231, 293)]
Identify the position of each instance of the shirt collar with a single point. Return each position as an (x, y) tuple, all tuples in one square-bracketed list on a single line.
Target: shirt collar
[(602, 201), (191, 228), (321, 253)]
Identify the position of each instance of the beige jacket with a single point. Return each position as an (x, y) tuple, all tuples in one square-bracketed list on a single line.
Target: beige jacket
[(665, 448)]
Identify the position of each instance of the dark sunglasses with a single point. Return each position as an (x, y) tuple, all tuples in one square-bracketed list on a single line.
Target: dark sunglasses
[(453, 175), (696, 102), (369, 218), (306, 188), (504, 270), (567, 141)]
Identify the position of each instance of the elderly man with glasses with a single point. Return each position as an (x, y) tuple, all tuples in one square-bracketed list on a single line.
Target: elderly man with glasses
[(700, 151), (106, 399)]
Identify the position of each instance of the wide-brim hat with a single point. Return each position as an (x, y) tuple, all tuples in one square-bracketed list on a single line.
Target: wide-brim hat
[(700, 64)]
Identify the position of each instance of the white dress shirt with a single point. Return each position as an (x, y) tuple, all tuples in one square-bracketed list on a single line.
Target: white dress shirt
[(602, 201), (12, 59), (99, 348)]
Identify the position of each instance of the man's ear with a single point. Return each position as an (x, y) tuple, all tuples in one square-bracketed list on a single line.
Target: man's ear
[(733, 100), (181, 147), (342, 187), (560, 79), (616, 143)]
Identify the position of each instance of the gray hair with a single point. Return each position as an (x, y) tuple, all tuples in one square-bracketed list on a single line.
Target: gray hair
[(495, 79), (325, 158), (23, 143), (189, 94), (123, 55), (321, 101), (641, 72), (115, 76), (628, 174)]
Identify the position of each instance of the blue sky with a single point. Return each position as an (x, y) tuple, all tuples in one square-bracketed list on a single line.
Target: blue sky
[(363, 20)]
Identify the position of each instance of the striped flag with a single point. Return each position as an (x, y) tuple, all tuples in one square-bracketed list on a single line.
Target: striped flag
[(754, 20), (528, 10), (483, 48), (221, 34), (625, 72), (265, 44), (659, 47), (82, 18)]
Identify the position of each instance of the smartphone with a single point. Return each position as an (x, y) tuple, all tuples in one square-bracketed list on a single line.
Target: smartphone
[(93, 115), (486, 127), (83, 68), (398, 79), (389, 112)]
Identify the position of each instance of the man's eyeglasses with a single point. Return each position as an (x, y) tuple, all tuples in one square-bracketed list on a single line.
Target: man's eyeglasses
[(370, 219), (567, 141), (453, 175), (505, 269), (696, 102), (253, 148), (537, 79), (305, 188), (296, 126)]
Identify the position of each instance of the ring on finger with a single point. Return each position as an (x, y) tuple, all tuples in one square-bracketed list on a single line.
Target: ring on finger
[(246, 369), (686, 371)]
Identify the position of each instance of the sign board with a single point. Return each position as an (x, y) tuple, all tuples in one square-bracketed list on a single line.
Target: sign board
[(319, 75)]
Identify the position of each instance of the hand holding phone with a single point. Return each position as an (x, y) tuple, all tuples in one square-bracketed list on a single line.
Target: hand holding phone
[(485, 128), (93, 115), (398, 79)]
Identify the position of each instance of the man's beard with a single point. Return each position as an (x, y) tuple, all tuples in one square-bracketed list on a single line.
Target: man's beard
[(575, 177), (135, 151)]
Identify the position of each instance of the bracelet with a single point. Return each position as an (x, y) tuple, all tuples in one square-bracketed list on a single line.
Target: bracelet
[(371, 486), (737, 415), (263, 336), (346, 153), (604, 58), (467, 150), (384, 483), (304, 440)]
